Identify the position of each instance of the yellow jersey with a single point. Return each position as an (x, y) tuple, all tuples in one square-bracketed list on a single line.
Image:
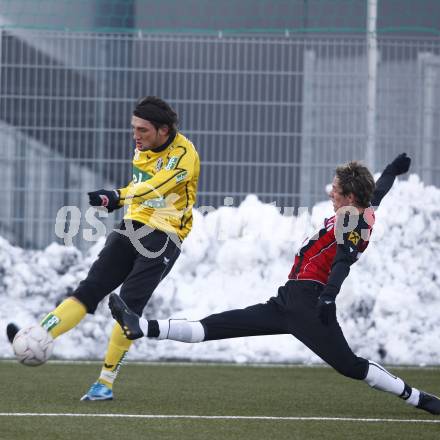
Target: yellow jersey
[(164, 186)]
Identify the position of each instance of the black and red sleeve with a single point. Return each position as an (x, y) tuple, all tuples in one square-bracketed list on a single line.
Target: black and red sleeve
[(348, 251)]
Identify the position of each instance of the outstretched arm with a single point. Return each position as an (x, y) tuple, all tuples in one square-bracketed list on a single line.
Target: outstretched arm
[(349, 248), (398, 166), (339, 271)]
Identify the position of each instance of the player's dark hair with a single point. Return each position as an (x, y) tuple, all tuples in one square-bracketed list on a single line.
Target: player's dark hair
[(157, 111), (356, 178)]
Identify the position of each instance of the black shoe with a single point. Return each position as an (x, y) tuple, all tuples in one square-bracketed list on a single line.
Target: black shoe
[(11, 331), (429, 403), (127, 319)]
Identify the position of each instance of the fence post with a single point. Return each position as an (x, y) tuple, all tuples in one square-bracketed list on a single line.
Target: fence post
[(371, 83), (306, 161), (429, 72)]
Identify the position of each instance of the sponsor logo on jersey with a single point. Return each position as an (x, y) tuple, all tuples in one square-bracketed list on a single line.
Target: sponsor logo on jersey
[(156, 203), (172, 163), (140, 176), (354, 237), (181, 176), (159, 164)]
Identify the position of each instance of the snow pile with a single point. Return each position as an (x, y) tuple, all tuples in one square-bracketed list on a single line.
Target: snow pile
[(235, 257)]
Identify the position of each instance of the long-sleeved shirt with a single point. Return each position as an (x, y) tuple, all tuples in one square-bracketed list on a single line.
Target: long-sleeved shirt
[(164, 186), (327, 256)]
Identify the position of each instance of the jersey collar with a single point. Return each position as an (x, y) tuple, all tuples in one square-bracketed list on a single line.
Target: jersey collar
[(166, 144)]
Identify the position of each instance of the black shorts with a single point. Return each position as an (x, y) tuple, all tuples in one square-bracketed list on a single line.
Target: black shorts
[(119, 262), (293, 311)]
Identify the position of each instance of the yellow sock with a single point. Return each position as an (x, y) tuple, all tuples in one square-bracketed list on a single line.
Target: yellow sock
[(66, 316), (117, 349)]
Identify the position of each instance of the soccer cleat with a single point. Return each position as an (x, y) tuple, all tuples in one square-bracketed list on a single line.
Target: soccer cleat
[(127, 319), (11, 331), (98, 391), (429, 403)]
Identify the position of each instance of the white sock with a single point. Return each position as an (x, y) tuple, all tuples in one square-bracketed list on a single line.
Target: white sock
[(108, 376), (143, 324), (381, 379), (181, 330)]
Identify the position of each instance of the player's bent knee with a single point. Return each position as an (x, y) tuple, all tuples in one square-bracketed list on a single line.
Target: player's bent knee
[(356, 369), (89, 301)]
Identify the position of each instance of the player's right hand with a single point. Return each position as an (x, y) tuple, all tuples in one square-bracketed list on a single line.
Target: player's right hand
[(105, 198)]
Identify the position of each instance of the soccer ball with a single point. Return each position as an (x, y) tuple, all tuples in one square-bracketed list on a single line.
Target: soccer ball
[(33, 345)]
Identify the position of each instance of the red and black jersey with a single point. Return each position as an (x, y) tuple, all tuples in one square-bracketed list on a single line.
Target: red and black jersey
[(343, 237)]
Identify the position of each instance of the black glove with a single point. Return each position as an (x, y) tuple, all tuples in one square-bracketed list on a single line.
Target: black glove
[(326, 309), (107, 199), (400, 164)]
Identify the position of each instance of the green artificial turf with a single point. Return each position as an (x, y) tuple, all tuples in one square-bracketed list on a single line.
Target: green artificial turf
[(207, 390)]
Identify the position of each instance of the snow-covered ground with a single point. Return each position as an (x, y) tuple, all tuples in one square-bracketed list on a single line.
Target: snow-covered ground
[(389, 307)]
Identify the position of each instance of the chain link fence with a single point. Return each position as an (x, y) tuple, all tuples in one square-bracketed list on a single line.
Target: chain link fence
[(270, 115)]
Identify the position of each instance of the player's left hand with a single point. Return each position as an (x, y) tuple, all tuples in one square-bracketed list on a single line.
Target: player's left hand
[(105, 198), (326, 309), (400, 164)]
